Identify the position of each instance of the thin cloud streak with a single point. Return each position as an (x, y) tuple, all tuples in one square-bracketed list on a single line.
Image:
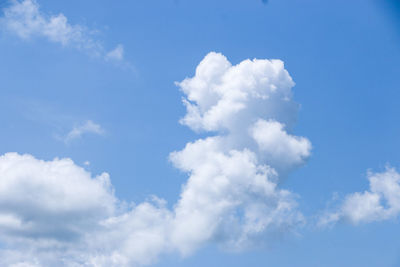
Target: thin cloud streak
[(88, 127), (25, 20)]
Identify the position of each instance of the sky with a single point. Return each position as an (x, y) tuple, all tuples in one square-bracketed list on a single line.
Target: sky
[(199, 133)]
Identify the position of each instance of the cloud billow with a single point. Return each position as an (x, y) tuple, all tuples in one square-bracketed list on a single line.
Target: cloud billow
[(381, 202), (53, 213)]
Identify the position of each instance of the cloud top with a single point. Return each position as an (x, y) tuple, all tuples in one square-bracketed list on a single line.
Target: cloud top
[(225, 97)]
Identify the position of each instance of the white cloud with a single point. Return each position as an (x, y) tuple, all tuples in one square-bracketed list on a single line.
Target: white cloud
[(47, 205), (116, 54), (230, 198), (136, 237), (278, 147), (53, 213), (25, 19), (34, 193), (225, 97), (86, 128), (380, 202)]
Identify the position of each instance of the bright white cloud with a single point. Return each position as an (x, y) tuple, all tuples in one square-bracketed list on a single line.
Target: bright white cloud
[(230, 198), (53, 213), (25, 19), (88, 127), (278, 147), (47, 205), (225, 97), (380, 202), (35, 193)]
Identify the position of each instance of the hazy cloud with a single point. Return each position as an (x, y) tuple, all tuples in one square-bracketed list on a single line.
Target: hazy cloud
[(116, 54), (89, 127), (24, 19)]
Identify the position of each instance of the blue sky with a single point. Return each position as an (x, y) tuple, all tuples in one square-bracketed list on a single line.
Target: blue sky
[(102, 93)]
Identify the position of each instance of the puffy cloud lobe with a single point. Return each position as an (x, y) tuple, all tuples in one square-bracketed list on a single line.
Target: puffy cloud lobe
[(225, 97), (136, 237), (279, 148), (250, 104), (380, 202), (53, 213), (47, 205), (56, 194), (231, 197), (24, 19)]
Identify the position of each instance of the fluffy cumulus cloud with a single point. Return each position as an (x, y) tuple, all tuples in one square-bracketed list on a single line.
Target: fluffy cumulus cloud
[(24, 19), (380, 202), (224, 97), (54, 213), (277, 146), (232, 196), (47, 204)]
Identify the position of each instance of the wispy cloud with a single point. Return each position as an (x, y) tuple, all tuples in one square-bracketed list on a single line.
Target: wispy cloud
[(89, 127), (24, 19), (116, 54)]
